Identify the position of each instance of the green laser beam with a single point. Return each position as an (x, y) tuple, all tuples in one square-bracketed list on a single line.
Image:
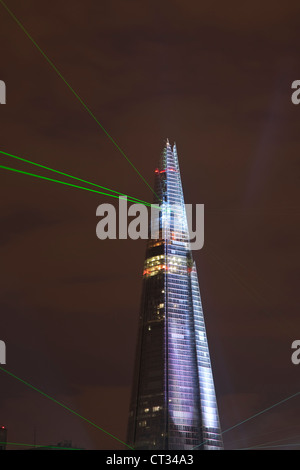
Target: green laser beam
[(252, 417), (38, 445), (64, 406), (69, 184), (233, 443), (70, 176), (269, 443), (263, 411), (74, 92), (270, 447)]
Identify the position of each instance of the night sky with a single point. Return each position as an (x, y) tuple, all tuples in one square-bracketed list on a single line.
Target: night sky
[(216, 78)]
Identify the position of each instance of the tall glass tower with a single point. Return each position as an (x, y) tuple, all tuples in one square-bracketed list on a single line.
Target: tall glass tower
[(173, 403)]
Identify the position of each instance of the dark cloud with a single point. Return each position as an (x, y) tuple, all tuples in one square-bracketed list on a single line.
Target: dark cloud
[(217, 79)]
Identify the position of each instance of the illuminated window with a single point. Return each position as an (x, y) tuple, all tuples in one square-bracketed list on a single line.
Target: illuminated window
[(156, 408)]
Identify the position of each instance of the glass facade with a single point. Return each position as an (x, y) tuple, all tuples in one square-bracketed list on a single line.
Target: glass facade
[(173, 403)]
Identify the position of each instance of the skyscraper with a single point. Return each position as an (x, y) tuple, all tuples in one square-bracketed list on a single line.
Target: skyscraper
[(173, 403)]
